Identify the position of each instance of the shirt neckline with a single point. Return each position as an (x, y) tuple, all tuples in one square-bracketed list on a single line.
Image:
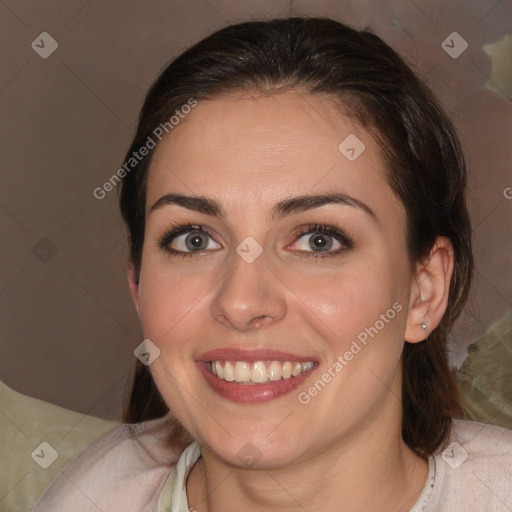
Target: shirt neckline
[(173, 497), (422, 501)]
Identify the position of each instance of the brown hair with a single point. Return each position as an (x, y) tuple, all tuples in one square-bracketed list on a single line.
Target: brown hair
[(424, 163)]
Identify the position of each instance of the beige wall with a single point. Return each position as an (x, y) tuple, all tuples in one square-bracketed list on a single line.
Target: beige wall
[(68, 328)]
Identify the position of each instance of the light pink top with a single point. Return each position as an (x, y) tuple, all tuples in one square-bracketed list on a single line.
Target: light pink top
[(114, 474)]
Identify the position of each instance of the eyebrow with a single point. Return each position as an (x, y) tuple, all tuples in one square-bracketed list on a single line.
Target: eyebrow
[(283, 208)]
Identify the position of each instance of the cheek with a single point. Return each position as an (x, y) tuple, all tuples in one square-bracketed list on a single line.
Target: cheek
[(360, 312), (346, 300), (362, 322), (167, 301)]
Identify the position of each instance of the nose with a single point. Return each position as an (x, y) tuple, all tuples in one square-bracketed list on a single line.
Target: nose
[(250, 296)]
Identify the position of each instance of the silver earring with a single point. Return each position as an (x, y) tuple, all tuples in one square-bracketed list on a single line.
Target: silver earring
[(424, 327)]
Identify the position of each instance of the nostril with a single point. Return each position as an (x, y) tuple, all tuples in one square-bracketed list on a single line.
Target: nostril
[(259, 321)]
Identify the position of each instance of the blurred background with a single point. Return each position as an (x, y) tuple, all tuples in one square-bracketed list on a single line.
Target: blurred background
[(73, 75)]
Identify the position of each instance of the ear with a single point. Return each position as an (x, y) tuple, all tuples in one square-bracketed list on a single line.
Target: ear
[(430, 289), (133, 283)]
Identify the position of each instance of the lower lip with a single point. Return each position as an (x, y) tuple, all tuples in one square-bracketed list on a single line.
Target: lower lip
[(252, 393)]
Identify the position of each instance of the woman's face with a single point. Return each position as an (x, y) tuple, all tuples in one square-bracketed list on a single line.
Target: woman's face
[(260, 281)]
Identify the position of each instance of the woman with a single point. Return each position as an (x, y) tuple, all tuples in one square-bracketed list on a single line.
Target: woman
[(299, 250)]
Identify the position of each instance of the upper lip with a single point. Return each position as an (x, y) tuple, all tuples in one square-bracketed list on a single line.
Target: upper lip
[(251, 355)]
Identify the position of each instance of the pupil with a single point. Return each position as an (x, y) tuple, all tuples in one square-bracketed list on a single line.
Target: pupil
[(320, 242)]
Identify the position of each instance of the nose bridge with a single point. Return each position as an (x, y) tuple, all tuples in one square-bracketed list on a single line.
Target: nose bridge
[(249, 296)]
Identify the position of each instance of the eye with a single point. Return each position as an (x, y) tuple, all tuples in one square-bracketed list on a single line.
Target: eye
[(184, 240), (322, 241)]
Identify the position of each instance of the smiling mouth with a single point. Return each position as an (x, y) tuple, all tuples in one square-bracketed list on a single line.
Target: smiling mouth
[(257, 372)]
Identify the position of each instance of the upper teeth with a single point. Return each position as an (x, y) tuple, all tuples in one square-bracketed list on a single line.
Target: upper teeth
[(259, 371)]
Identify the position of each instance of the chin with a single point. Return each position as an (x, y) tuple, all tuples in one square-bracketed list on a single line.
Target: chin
[(258, 448)]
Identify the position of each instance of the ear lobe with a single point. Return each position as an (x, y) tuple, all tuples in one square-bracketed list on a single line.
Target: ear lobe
[(430, 290), (133, 285)]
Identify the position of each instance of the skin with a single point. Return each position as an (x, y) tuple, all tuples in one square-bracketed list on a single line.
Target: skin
[(343, 450)]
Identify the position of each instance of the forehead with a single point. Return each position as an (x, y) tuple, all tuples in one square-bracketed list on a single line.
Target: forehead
[(259, 148)]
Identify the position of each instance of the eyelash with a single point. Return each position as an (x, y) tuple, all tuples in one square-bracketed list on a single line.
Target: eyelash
[(323, 229)]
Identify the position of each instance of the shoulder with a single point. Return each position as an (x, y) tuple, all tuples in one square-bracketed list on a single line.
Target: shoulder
[(474, 471), (481, 437), (123, 470)]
